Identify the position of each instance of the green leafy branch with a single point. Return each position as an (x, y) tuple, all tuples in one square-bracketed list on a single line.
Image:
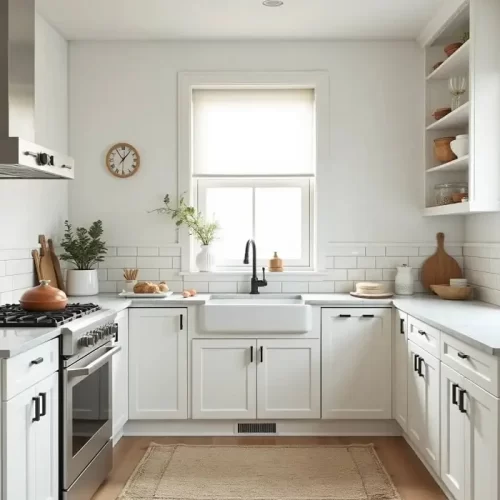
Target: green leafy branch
[(83, 248), (184, 215)]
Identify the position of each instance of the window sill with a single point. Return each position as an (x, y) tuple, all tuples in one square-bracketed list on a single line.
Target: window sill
[(273, 276)]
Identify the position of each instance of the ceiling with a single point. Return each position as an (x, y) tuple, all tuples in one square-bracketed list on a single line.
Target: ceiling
[(237, 19)]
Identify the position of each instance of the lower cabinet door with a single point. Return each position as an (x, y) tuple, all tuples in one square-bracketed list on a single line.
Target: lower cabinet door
[(288, 378), (452, 433), (19, 448), (224, 379), (47, 440), (424, 404), (400, 368), (482, 452)]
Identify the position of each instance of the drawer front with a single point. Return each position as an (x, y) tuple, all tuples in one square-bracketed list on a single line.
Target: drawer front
[(425, 336), (26, 369), (477, 366)]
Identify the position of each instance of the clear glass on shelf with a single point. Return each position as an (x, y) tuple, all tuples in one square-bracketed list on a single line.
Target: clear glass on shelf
[(444, 192), (457, 86)]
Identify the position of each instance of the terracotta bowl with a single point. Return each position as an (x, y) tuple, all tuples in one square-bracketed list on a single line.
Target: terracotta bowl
[(442, 149), (451, 48), (441, 113), (43, 298)]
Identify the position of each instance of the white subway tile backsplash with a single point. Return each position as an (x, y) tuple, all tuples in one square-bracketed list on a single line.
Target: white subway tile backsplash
[(177, 286), (356, 274), (170, 251), (23, 266), (389, 274), (152, 262), (375, 251), (6, 284), (295, 287), (272, 287), (20, 281), (329, 262), (173, 275), (346, 251), (118, 263), (222, 287), (337, 275), (6, 298), (417, 262), (244, 287), (345, 262), (390, 262), (199, 286), (15, 254), (401, 251), (102, 274), (127, 251), (322, 287), (112, 251), (374, 274), (108, 287), (366, 262), (148, 251), (2, 268), (176, 262), (344, 286)]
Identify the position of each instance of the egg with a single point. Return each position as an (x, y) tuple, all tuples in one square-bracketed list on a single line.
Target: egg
[(186, 294), (192, 292)]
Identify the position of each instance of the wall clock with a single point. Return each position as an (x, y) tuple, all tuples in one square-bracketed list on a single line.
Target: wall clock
[(123, 160)]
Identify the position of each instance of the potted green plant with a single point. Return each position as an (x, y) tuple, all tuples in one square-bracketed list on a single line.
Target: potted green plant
[(199, 227), (84, 249)]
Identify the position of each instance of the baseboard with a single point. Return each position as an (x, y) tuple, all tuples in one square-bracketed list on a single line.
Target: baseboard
[(215, 428), (432, 472), (117, 436)]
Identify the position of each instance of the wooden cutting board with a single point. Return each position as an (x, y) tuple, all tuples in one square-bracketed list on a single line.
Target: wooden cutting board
[(36, 260), (57, 266), (46, 264), (440, 267)]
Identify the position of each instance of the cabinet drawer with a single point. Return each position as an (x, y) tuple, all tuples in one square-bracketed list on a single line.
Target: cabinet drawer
[(425, 336), (26, 369), (477, 366)]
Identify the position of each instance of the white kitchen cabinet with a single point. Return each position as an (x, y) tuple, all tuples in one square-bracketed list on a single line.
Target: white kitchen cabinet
[(288, 378), (224, 378), (356, 364), (452, 433), (120, 375), (400, 368), (482, 449), (30, 453), (158, 363), (423, 403)]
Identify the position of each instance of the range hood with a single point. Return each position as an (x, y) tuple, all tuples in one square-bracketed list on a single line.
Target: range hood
[(20, 157)]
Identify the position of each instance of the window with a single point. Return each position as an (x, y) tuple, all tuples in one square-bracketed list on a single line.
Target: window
[(250, 146)]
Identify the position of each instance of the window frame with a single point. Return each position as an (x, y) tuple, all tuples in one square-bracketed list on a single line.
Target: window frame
[(306, 186), (187, 184)]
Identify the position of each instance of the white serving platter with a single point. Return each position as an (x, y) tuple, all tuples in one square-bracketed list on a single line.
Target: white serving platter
[(133, 295)]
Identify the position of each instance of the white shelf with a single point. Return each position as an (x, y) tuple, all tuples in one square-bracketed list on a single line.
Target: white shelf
[(455, 65), (452, 209), (459, 165), (457, 118)]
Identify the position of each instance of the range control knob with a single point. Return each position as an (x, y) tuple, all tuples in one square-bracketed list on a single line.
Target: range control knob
[(95, 335), (43, 159)]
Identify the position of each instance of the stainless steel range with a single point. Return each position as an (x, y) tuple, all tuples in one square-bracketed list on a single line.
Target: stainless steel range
[(87, 332), (86, 409)]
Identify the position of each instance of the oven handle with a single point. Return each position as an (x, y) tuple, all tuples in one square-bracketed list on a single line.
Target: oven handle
[(95, 365)]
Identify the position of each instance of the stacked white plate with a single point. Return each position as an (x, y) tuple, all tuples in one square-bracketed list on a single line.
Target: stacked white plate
[(458, 282), (369, 290)]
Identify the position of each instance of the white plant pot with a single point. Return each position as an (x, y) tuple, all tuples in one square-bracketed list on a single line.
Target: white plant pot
[(460, 146), (205, 260), (80, 283)]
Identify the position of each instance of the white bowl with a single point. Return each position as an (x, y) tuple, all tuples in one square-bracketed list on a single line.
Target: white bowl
[(460, 146)]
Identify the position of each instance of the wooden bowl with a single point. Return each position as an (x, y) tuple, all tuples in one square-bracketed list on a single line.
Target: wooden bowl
[(436, 66), (441, 113), (452, 48), (448, 292), (442, 149)]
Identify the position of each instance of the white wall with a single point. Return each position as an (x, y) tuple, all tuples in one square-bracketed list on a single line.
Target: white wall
[(484, 228), (128, 92), (32, 207)]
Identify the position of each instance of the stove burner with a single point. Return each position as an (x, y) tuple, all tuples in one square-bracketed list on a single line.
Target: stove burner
[(13, 315)]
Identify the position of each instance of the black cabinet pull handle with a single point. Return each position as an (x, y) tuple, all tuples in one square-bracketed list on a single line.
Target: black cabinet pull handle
[(415, 362), (43, 397), (402, 326), (368, 315), (461, 355), (420, 363), (261, 354), (251, 354), (422, 332), (115, 331), (461, 401), (344, 315), (37, 361), (454, 388), (37, 410), (182, 321)]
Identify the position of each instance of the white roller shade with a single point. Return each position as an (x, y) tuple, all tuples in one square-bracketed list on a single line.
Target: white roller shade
[(253, 132)]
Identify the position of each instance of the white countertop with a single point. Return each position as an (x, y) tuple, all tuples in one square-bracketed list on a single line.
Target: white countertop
[(475, 323)]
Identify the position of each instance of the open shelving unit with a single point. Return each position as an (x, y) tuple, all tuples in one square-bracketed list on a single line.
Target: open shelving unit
[(474, 23)]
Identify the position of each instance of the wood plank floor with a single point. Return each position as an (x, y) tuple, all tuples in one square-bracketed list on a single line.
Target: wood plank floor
[(408, 474)]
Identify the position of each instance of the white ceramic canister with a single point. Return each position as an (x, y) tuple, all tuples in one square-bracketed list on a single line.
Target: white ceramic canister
[(460, 146), (205, 260), (404, 281)]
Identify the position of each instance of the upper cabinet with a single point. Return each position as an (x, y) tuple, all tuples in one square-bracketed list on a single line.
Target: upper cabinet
[(462, 98)]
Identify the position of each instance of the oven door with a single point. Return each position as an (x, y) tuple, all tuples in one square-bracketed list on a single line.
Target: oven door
[(87, 412)]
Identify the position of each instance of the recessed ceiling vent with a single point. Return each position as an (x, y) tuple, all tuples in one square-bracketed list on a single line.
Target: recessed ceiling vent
[(264, 428), (272, 3)]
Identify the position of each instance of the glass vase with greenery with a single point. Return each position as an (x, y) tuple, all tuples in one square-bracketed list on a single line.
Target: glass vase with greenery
[(199, 227), (83, 248)]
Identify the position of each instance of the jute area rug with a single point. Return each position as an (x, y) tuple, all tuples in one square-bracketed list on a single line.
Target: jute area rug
[(183, 472)]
